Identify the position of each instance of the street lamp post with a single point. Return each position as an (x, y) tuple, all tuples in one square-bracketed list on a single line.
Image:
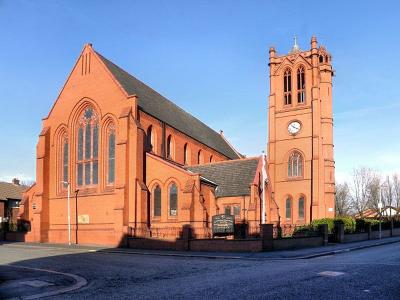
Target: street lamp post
[(380, 207), (69, 210)]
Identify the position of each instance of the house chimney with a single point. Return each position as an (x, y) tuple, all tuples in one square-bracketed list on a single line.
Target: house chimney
[(15, 181)]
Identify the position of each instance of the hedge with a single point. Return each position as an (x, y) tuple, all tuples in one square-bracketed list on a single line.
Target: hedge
[(349, 223), (330, 222)]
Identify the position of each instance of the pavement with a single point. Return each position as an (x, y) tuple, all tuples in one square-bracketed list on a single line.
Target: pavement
[(32, 271), (304, 253), (17, 282)]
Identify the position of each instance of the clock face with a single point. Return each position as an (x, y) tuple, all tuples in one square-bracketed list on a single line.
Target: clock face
[(294, 127)]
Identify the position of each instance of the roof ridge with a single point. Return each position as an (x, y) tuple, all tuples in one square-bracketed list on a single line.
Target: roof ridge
[(231, 161), (177, 106), (198, 130)]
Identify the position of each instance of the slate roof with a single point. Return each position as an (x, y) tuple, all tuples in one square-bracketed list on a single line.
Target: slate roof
[(232, 177), (11, 191), (163, 109)]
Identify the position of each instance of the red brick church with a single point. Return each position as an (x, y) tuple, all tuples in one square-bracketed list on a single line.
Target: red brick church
[(136, 164)]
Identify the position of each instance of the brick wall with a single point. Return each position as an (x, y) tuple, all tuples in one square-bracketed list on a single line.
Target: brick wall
[(222, 245), (2, 209)]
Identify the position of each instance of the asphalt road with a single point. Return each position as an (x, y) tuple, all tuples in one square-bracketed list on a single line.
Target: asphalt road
[(372, 273)]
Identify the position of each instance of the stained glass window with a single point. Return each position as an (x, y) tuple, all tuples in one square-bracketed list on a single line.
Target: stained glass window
[(80, 143), (288, 208), (157, 201), (200, 158), (149, 138), (80, 174), (88, 149), (185, 154), (65, 162), (301, 208), (295, 165), (169, 147), (95, 141), (111, 156), (173, 200)]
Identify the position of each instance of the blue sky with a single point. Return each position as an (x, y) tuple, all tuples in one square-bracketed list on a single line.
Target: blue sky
[(210, 58)]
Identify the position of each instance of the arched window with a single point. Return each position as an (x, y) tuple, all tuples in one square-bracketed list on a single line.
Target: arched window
[(170, 147), (173, 200), (288, 213), (64, 158), (111, 154), (185, 154), (301, 85), (88, 148), (200, 157), (287, 87), (321, 59), (295, 165), (157, 201), (149, 138), (301, 207)]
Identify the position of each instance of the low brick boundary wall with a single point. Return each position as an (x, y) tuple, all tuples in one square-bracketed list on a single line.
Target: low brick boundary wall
[(224, 245), (155, 244), (15, 236), (355, 237), (297, 243)]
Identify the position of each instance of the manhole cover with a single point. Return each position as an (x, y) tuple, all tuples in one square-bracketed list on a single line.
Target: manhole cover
[(36, 283), (330, 273)]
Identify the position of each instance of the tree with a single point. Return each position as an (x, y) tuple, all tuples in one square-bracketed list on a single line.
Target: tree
[(342, 199), (396, 192), (365, 190)]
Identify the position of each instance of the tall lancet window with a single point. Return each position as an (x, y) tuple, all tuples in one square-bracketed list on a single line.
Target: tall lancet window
[(64, 160), (170, 147), (157, 201), (111, 154), (173, 200), (185, 154), (287, 87), (295, 165), (301, 85), (88, 149), (149, 138)]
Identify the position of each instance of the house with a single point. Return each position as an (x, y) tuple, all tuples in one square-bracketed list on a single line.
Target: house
[(10, 198), (372, 213)]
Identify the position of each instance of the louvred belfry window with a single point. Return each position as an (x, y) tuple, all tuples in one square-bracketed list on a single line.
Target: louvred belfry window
[(287, 87), (301, 85), (88, 149)]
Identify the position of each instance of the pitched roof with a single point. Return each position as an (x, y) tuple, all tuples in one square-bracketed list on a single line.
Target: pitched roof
[(11, 191), (163, 109), (232, 177)]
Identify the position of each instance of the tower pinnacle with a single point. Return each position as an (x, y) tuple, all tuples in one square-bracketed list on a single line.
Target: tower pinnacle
[(296, 47)]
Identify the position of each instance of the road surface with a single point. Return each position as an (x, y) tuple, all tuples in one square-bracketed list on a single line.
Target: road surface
[(372, 273)]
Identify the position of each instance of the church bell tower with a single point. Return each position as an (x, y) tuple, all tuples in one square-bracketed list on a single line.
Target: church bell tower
[(301, 164)]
